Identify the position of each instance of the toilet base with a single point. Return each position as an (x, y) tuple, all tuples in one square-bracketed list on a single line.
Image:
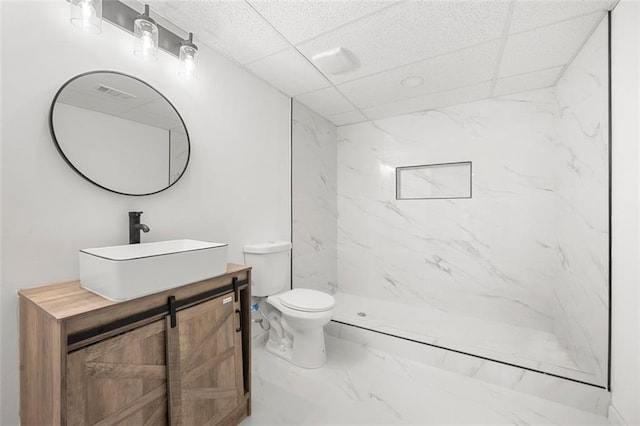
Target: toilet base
[(312, 355)]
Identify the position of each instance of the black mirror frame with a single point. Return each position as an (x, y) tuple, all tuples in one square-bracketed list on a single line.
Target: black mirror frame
[(74, 168)]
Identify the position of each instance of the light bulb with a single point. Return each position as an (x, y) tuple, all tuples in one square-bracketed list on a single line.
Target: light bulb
[(87, 15), (188, 57), (189, 64), (145, 31), (147, 43), (87, 12)]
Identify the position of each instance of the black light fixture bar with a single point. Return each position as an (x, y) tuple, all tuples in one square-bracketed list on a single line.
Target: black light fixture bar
[(121, 15)]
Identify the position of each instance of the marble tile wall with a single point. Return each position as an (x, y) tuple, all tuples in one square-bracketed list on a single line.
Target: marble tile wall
[(314, 200), (582, 289), (487, 256), (530, 249)]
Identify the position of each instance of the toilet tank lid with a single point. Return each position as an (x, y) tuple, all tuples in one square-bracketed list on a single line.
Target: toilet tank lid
[(270, 247)]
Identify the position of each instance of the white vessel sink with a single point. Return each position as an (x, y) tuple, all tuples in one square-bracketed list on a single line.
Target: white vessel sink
[(134, 270)]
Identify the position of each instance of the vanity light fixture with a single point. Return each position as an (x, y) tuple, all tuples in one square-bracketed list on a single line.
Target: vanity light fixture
[(149, 36), (87, 15), (145, 31), (188, 56)]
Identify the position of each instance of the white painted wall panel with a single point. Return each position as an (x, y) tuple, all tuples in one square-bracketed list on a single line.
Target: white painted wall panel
[(236, 190)]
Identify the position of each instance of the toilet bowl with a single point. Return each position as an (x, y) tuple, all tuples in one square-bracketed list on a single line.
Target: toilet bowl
[(297, 317), (303, 313)]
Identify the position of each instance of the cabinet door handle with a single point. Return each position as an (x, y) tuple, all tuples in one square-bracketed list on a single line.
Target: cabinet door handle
[(236, 288), (172, 311), (239, 329)]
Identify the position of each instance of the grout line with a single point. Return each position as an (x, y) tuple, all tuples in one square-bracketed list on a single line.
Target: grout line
[(503, 43)]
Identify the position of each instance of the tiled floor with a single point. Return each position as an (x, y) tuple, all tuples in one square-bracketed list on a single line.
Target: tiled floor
[(364, 386)]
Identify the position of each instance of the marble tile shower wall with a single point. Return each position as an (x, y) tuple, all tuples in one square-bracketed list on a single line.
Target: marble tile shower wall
[(529, 249), (314, 200), (582, 289), (487, 256)]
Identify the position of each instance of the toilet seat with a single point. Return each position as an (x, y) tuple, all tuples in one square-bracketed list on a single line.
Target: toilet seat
[(307, 300)]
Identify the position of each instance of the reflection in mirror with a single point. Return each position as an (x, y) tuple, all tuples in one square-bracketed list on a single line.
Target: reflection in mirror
[(119, 133)]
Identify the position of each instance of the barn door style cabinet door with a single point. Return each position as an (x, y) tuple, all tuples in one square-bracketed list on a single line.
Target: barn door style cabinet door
[(180, 357)]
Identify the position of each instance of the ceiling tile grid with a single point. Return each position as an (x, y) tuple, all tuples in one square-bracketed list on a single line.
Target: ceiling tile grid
[(411, 31), (453, 50), (444, 72), (326, 101), (301, 20), (349, 117), (431, 101), (528, 14), (290, 72), (526, 82), (545, 47), (233, 28)]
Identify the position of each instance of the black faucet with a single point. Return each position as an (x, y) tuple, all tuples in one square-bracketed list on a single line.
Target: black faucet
[(135, 227)]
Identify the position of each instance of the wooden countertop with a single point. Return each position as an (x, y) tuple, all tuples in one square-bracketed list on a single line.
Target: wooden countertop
[(65, 300)]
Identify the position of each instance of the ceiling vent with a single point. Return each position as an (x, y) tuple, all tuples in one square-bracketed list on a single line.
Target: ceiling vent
[(335, 61), (110, 91)]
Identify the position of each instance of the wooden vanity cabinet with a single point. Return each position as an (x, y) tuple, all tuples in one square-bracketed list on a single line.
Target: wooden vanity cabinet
[(179, 357)]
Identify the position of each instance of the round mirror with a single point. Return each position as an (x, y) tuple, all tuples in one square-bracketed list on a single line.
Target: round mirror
[(119, 133)]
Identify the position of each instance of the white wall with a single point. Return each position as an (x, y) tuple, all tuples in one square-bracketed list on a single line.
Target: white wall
[(236, 190), (625, 301)]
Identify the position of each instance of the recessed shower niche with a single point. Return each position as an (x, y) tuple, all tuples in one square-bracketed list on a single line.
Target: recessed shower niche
[(519, 271)]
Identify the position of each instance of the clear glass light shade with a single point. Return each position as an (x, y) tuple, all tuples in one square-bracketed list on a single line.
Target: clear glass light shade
[(145, 31), (188, 60), (87, 15)]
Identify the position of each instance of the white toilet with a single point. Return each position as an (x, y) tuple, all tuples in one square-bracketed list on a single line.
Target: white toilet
[(296, 317)]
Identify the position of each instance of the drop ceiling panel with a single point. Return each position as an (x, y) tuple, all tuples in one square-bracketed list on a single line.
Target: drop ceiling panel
[(529, 81), (298, 21), (461, 68), (233, 28), (548, 46), (326, 102), (432, 101), (412, 31), (347, 118), (529, 14), (447, 43), (290, 72)]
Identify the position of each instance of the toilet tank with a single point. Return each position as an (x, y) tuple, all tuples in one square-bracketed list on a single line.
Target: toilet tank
[(271, 267)]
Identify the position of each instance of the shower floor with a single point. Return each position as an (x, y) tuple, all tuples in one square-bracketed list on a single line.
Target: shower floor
[(524, 347)]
